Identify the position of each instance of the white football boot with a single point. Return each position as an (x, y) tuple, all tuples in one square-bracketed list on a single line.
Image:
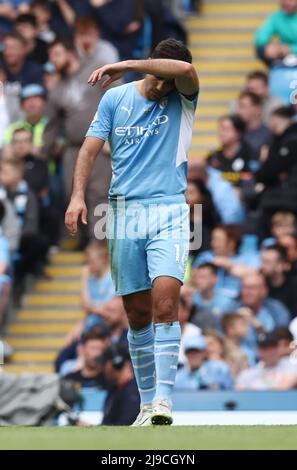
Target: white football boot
[(144, 416), (162, 413)]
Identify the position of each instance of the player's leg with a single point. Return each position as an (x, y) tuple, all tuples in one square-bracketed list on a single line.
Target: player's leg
[(165, 298), (141, 345), (167, 255)]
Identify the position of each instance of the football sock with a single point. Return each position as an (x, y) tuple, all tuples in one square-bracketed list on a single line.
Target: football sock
[(141, 346)]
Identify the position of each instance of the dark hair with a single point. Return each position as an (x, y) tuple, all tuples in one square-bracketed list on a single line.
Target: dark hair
[(26, 18), (233, 232), (230, 318), (283, 333), (258, 75), (96, 333), (255, 99), (67, 43), (237, 122), (280, 250), (172, 49), (17, 36), (210, 215), (285, 112), (212, 267)]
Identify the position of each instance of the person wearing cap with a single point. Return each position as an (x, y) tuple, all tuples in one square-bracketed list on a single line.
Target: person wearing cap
[(271, 373), (33, 102), (200, 372), (122, 402)]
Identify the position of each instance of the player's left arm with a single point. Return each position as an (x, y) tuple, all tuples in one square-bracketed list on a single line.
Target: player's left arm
[(183, 73)]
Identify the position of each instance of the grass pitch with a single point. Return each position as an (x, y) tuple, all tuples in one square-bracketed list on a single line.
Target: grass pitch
[(152, 438)]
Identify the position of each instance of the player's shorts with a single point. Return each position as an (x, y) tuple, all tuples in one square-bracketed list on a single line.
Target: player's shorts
[(147, 238)]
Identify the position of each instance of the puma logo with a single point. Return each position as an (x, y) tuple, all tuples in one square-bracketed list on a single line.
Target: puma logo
[(129, 111)]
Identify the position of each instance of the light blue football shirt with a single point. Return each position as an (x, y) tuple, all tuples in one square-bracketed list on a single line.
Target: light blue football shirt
[(149, 141)]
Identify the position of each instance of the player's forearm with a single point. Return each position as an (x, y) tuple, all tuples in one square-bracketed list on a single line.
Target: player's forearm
[(82, 172), (167, 68)]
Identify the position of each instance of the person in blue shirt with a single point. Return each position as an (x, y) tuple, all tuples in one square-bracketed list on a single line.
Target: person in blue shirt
[(148, 124), (97, 285), (263, 313), (231, 263), (200, 372), (209, 301)]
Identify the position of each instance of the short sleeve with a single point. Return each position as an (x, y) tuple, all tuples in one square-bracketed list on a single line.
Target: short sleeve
[(102, 122)]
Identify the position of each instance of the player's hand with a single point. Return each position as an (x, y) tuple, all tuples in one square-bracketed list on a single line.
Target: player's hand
[(77, 208), (115, 72)]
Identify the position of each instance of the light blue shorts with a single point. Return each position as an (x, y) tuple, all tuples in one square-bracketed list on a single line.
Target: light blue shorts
[(147, 238)]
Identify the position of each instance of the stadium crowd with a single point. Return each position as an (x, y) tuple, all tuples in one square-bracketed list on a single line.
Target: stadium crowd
[(238, 305)]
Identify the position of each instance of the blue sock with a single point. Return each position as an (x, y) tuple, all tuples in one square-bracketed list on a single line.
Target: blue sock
[(167, 345), (141, 346)]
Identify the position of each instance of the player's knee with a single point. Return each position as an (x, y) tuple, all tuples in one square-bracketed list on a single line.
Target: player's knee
[(164, 310), (138, 316)]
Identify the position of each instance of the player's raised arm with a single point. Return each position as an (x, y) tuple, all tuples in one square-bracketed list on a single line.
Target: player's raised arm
[(77, 206), (181, 71)]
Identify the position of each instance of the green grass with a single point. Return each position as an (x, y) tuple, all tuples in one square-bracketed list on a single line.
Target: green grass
[(153, 438)]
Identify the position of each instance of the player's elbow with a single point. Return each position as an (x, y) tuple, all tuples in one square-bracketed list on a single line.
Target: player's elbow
[(191, 74)]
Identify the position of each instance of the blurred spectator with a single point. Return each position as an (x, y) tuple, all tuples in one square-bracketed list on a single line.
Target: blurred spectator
[(19, 70), (97, 285), (209, 301), (188, 330), (231, 263), (90, 47), (270, 373), (9, 10), (226, 201), (282, 25), (37, 177), (42, 12), (257, 135), (257, 82), (120, 24), (279, 171), (32, 250), (72, 106), (200, 372), (36, 48), (234, 155), (263, 314), (33, 101), (238, 353), (90, 373), (282, 224), (207, 218), (115, 322), (122, 402), (276, 267)]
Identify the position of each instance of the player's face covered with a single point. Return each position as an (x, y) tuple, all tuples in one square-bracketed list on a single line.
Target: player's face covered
[(157, 87)]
